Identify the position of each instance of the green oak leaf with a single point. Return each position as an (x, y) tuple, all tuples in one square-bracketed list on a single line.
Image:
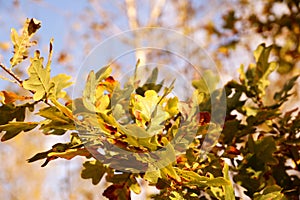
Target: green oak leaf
[(193, 178), (118, 178), (38, 156), (263, 67), (53, 114), (10, 112), (62, 150), (56, 122), (152, 176), (235, 91), (93, 169), (55, 127), (271, 192), (170, 171), (12, 129), (264, 149), (282, 95), (176, 196), (231, 129), (256, 77), (153, 77), (229, 191)]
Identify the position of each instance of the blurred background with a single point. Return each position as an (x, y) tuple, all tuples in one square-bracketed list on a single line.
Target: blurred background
[(228, 30)]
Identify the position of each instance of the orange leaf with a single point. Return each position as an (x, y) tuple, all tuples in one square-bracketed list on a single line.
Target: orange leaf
[(10, 97)]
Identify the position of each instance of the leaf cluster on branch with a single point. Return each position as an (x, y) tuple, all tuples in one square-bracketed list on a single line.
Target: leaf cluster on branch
[(256, 141)]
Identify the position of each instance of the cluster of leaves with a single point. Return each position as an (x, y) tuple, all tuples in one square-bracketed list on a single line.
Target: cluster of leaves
[(257, 147), (276, 20), (264, 138), (139, 120), (278, 26)]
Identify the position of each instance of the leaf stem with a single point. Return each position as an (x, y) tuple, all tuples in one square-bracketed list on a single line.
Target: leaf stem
[(135, 70)]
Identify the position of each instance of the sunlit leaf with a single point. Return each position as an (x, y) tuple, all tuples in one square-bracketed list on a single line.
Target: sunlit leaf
[(192, 178), (23, 41), (271, 192), (256, 76), (39, 77), (229, 191), (103, 73), (60, 81), (70, 153), (176, 196), (172, 106), (53, 114), (170, 171), (152, 176), (135, 187)]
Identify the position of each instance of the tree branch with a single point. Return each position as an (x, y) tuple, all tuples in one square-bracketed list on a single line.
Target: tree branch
[(134, 24), (132, 14), (156, 12), (11, 73)]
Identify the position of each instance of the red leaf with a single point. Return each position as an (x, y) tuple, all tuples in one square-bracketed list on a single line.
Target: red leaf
[(117, 192), (204, 118)]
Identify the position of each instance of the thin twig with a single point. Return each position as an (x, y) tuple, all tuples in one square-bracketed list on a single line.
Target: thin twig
[(11, 73), (7, 79)]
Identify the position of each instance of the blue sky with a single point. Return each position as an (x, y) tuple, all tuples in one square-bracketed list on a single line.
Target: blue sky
[(58, 19), (55, 16)]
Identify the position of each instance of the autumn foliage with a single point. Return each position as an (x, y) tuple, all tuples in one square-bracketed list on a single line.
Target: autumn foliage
[(142, 119)]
